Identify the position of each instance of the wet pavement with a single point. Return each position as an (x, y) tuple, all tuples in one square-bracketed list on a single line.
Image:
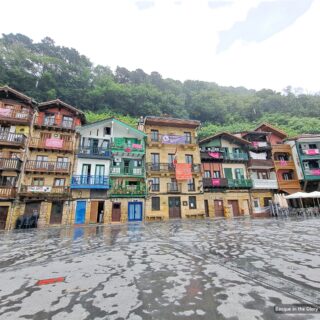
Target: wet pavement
[(195, 269)]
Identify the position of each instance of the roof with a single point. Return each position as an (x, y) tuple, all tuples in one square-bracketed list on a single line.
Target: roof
[(167, 121), (228, 135), (18, 94), (268, 127), (305, 136), (58, 102)]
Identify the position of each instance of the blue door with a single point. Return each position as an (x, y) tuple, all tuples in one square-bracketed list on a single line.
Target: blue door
[(135, 211), (80, 212)]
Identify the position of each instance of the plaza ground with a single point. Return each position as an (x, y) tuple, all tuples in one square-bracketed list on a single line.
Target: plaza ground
[(192, 269)]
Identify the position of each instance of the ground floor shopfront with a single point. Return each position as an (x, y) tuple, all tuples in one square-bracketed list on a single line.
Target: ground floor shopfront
[(260, 200)]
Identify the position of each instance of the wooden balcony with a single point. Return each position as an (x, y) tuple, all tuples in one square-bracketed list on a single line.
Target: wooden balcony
[(47, 166), (289, 184), (45, 192), (10, 164), (15, 115), (284, 165), (260, 164), (174, 187), (7, 192), (281, 148), (56, 122), (217, 183), (52, 144), (12, 139)]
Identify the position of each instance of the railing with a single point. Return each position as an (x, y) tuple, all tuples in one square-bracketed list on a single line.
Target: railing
[(15, 114), (239, 183), (7, 192), (171, 139), (126, 171), (284, 164), (89, 182), (259, 163), (169, 167), (313, 174), (10, 164), (236, 156), (55, 122), (45, 190), (265, 184), (51, 144), (118, 145), (12, 138), (287, 184), (260, 144), (310, 152), (214, 182), (222, 155), (133, 190), (173, 187), (47, 166), (96, 152)]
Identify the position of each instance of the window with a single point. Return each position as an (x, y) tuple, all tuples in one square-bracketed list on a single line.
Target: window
[(99, 170), (137, 163), (262, 174), (207, 174), (312, 146), (107, 131), (171, 158), (49, 119), (38, 182), (239, 173), (155, 159), (266, 201), (7, 181), (256, 203), (154, 135), (191, 186), (155, 186), (216, 174), (192, 202), (155, 203), (67, 122), (189, 158), (187, 136), (287, 176), (62, 162), (59, 182)]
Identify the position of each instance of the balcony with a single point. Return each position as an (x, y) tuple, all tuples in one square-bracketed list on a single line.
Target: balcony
[(12, 139), (260, 164), (312, 174), (174, 187), (53, 144), (128, 191), (120, 146), (306, 154), (260, 145), (239, 183), (169, 167), (264, 184), (127, 171), (94, 152), (15, 115), (209, 183), (54, 123), (45, 192), (10, 164), (234, 156), (289, 184), (284, 164), (7, 192), (221, 155), (159, 139), (47, 166), (90, 182)]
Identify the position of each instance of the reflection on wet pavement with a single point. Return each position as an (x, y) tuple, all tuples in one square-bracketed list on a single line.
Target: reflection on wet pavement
[(198, 269)]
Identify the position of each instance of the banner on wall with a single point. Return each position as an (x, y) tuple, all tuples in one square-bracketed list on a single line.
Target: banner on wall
[(39, 189), (5, 112), (311, 152), (173, 139), (54, 143), (215, 155), (216, 182), (183, 171)]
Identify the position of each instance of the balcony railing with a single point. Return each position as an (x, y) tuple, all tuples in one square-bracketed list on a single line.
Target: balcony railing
[(264, 184), (236, 156), (119, 145), (215, 182), (12, 139), (15, 115), (260, 163), (10, 164), (51, 144), (312, 174), (128, 191), (260, 144), (289, 184), (54, 122), (171, 139), (89, 182), (284, 164), (239, 183), (7, 192), (221, 155), (174, 187), (46, 191), (48, 166), (169, 167), (127, 171), (94, 152)]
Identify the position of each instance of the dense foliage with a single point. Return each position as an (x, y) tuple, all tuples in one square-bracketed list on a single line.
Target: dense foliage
[(46, 71)]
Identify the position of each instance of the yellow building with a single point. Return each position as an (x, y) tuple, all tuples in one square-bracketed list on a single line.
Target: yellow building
[(173, 168), (16, 116)]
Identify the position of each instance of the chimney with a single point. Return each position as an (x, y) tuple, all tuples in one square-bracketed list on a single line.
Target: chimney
[(141, 124)]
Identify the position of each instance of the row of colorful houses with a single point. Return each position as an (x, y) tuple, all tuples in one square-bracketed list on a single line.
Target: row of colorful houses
[(55, 166)]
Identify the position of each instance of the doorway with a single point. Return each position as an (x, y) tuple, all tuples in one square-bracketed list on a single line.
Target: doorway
[(3, 217), (235, 207), (56, 212), (218, 208), (206, 208), (174, 207), (32, 208), (135, 211), (80, 217), (96, 211), (116, 212)]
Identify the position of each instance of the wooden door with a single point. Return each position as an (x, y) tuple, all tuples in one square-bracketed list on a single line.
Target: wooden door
[(94, 211), (116, 212), (174, 207), (218, 208), (56, 212), (235, 207), (3, 217), (206, 207)]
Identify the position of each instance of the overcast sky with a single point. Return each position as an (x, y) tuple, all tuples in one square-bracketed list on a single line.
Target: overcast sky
[(251, 43)]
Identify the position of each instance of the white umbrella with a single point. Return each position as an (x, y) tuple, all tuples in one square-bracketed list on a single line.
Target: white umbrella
[(298, 195), (283, 201), (315, 194)]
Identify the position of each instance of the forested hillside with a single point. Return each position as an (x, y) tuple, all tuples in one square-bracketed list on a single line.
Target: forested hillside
[(46, 71)]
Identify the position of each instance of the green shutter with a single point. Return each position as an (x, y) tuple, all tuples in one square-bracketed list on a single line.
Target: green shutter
[(228, 173)]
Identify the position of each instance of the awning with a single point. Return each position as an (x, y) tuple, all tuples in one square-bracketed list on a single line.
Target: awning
[(298, 195), (290, 191)]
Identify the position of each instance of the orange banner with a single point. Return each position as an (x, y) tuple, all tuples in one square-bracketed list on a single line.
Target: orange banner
[(183, 171)]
